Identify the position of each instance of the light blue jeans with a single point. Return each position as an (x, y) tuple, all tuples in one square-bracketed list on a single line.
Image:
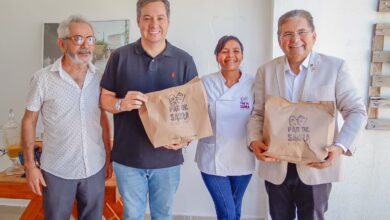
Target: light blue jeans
[(135, 185)]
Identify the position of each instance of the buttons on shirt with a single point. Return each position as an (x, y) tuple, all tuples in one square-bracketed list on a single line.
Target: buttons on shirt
[(73, 135), (153, 65)]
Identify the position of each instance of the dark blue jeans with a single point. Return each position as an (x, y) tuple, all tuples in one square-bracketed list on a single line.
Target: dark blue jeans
[(227, 193)]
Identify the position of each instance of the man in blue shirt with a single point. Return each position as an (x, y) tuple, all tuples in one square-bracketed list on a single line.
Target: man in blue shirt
[(147, 65)]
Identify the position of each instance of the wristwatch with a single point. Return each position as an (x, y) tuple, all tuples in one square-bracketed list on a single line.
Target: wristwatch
[(118, 104)]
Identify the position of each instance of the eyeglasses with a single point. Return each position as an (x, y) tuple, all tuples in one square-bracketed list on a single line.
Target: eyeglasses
[(79, 40), (290, 35)]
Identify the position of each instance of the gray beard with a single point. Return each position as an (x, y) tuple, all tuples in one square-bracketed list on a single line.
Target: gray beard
[(76, 60)]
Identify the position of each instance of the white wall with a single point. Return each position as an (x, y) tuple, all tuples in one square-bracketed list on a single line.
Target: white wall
[(344, 29), (196, 25)]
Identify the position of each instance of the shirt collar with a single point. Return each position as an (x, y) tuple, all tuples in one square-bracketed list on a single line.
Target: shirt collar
[(241, 79), (304, 64), (168, 51), (57, 67)]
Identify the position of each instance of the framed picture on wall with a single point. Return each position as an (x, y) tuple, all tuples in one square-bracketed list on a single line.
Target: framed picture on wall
[(109, 36)]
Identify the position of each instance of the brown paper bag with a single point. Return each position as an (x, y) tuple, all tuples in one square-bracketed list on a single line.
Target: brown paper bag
[(177, 115), (298, 132)]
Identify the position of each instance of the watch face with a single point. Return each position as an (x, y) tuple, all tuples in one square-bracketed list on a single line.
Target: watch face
[(118, 104)]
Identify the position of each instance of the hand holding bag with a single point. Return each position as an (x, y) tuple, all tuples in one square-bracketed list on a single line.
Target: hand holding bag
[(176, 115)]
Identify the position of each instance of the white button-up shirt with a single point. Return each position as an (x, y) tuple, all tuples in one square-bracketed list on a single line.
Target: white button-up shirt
[(73, 145), (294, 82), (226, 153)]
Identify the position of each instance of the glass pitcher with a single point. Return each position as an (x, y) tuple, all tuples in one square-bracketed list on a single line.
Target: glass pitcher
[(2, 142), (13, 147)]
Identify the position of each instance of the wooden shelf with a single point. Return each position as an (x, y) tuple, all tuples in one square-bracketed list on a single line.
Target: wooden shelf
[(378, 124), (378, 79), (384, 6)]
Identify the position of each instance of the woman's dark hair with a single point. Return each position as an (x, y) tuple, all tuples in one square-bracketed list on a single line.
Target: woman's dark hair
[(223, 40)]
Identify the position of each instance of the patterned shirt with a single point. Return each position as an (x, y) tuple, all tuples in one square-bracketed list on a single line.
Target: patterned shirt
[(73, 145)]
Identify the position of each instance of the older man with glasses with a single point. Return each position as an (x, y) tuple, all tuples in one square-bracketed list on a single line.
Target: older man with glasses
[(304, 75), (75, 158)]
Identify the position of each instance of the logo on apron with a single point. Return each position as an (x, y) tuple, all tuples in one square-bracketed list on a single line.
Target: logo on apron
[(244, 104)]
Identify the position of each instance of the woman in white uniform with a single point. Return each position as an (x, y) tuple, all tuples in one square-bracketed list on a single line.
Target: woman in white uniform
[(225, 162)]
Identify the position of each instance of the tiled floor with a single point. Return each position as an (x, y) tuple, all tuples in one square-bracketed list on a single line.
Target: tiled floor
[(180, 217), (10, 212), (14, 212)]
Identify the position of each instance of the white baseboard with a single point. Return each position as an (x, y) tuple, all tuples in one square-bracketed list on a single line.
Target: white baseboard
[(186, 217)]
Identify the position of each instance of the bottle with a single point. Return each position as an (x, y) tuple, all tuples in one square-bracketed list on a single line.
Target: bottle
[(2, 142), (12, 144)]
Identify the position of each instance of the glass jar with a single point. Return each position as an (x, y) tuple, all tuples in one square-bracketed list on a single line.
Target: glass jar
[(13, 147)]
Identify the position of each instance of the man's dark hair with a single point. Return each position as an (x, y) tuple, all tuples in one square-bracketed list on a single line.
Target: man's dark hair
[(142, 3), (296, 14)]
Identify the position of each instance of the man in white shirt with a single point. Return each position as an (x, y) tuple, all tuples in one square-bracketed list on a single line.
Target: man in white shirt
[(304, 75), (75, 158)]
